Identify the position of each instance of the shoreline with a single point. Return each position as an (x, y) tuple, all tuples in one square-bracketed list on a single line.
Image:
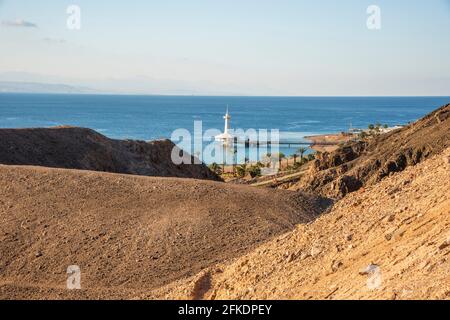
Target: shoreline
[(329, 142)]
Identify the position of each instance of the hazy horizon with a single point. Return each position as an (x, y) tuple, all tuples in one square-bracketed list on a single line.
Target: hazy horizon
[(217, 96), (256, 48)]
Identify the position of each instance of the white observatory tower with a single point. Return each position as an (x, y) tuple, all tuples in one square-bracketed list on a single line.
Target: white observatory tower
[(226, 136)]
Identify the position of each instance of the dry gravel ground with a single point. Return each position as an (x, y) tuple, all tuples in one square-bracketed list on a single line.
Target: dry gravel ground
[(137, 237), (388, 241), (129, 234)]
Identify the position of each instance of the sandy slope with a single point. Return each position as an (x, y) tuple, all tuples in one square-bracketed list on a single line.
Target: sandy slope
[(86, 149), (146, 237), (128, 233), (401, 226)]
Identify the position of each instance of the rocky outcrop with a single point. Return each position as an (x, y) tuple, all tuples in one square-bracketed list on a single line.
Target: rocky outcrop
[(85, 149), (388, 241), (364, 163)]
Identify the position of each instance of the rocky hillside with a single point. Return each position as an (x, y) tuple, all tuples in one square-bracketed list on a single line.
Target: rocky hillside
[(365, 163), (79, 148), (128, 234), (387, 241)]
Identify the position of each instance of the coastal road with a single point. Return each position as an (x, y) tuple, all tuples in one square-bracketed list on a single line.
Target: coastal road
[(279, 180)]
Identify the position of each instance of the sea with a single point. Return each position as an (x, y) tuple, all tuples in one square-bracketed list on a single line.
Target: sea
[(162, 117)]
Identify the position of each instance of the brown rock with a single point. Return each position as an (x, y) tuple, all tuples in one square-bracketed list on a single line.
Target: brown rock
[(444, 245), (336, 265), (361, 164), (391, 218)]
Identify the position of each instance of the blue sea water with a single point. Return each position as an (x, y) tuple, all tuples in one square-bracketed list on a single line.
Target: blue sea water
[(154, 117)]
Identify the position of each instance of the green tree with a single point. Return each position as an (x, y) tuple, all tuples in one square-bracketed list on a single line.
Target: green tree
[(241, 170), (254, 171), (260, 164), (301, 151), (214, 167), (371, 127), (281, 156)]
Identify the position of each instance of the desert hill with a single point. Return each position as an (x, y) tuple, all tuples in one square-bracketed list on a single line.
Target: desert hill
[(387, 241), (364, 163), (128, 233), (85, 149), (137, 237)]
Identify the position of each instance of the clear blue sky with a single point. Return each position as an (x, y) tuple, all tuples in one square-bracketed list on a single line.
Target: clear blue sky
[(255, 47)]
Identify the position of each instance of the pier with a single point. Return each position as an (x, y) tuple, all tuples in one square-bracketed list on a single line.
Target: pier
[(229, 139), (289, 144)]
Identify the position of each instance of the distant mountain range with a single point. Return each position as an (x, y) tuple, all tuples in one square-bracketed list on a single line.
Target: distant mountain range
[(34, 87), (26, 82)]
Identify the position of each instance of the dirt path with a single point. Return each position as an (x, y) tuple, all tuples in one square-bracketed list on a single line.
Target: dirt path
[(280, 180)]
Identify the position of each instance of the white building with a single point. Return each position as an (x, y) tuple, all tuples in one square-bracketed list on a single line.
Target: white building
[(226, 137), (389, 129)]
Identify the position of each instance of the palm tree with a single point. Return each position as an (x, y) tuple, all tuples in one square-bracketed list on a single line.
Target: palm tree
[(301, 151), (281, 156)]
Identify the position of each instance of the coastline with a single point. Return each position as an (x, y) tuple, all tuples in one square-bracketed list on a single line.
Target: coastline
[(329, 142)]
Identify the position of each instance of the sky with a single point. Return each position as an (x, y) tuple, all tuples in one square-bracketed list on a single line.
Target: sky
[(232, 47)]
